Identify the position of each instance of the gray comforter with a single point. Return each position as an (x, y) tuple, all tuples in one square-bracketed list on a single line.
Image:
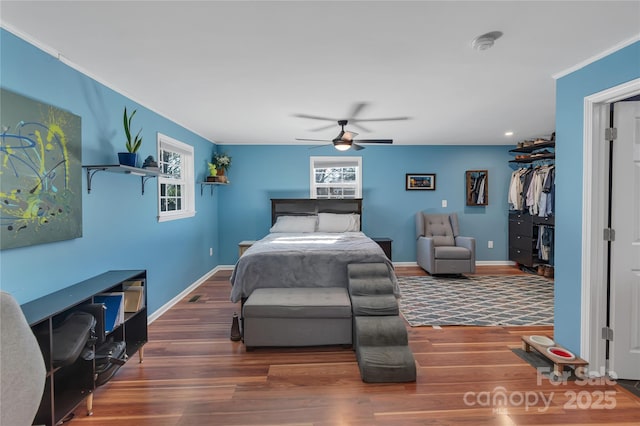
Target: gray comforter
[(303, 260)]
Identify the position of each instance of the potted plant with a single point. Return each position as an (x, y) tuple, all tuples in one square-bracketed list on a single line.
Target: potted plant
[(130, 158), (222, 162)]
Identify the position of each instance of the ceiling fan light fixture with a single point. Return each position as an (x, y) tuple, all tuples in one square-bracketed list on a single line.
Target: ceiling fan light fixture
[(342, 145), (486, 41)]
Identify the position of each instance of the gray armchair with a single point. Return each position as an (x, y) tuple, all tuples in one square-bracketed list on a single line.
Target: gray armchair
[(440, 248), (22, 369)]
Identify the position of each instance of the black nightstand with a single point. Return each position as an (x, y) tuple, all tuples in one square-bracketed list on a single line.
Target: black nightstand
[(385, 244)]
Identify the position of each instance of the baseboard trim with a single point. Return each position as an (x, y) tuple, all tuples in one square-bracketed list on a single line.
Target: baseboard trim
[(405, 264), (495, 263), (164, 308), (478, 263)]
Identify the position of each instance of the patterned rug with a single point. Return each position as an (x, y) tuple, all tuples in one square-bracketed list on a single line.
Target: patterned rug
[(477, 300)]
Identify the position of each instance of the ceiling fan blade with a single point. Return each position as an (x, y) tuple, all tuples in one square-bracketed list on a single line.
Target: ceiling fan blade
[(314, 117), (317, 146), (356, 147), (328, 126), (313, 140), (357, 108), (358, 120), (374, 141), (364, 129)]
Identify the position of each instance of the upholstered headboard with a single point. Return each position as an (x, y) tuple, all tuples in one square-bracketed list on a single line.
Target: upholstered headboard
[(309, 206)]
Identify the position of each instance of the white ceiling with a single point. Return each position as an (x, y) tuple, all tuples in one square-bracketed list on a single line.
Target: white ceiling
[(237, 72)]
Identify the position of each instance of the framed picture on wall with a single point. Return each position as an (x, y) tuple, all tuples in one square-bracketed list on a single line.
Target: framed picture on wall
[(420, 181), (477, 187)]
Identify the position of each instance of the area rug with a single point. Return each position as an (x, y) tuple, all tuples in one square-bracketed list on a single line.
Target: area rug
[(477, 300)]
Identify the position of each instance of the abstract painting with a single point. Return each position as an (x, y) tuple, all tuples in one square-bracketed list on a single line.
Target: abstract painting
[(40, 172)]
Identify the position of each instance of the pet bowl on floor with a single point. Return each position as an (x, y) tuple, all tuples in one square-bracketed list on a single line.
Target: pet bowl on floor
[(560, 352), (541, 340)]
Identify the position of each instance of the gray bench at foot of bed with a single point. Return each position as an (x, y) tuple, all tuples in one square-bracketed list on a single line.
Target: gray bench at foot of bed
[(308, 316)]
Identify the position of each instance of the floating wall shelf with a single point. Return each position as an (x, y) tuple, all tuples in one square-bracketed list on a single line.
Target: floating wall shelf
[(145, 174), (211, 184)]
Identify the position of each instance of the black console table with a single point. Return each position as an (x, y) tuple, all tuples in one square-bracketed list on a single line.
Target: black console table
[(66, 387)]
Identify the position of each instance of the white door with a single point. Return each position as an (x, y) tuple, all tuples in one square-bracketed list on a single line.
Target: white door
[(625, 251)]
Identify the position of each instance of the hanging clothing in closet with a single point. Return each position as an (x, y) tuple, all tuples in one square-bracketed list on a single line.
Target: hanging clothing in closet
[(532, 190), (516, 188), (544, 245), (547, 196)]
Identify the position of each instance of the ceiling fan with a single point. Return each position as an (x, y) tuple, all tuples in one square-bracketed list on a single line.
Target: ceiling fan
[(345, 139)]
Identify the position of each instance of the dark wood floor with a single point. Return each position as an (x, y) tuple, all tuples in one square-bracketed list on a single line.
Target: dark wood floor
[(194, 375)]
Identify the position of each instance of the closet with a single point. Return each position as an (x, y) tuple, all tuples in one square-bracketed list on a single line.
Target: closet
[(532, 204)]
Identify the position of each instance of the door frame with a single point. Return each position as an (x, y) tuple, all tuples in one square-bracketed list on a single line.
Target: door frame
[(594, 220)]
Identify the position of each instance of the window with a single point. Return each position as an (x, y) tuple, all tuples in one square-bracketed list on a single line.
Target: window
[(336, 177), (176, 184)]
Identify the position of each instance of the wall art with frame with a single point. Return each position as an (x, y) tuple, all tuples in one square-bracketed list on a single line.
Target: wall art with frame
[(420, 181), (477, 187), (40, 165)]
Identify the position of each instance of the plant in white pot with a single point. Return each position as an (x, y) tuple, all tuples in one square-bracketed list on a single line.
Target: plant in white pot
[(130, 158)]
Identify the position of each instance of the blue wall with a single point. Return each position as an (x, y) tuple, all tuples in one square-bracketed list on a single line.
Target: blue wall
[(259, 173), (615, 69), (120, 227), (120, 230)]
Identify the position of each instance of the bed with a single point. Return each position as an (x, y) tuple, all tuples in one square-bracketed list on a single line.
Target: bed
[(317, 240)]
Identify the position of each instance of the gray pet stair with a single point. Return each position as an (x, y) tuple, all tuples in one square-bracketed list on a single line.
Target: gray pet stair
[(379, 305), (371, 290), (382, 350), (367, 279), (380, 335)]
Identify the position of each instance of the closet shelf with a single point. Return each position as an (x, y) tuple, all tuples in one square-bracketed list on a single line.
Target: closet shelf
[(534, 147), (532, 158)]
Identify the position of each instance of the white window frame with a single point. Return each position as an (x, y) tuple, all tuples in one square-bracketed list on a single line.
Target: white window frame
[(186, 179), (335, 162)]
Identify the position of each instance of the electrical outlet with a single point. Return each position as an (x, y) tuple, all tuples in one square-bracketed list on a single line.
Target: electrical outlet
[(490, 244), (210, 251), (444, 203)]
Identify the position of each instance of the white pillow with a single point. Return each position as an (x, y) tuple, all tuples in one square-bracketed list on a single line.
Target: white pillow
[(332, 222), (294, 224)]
